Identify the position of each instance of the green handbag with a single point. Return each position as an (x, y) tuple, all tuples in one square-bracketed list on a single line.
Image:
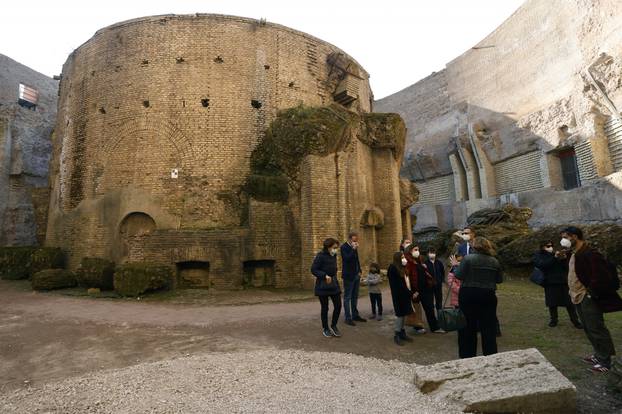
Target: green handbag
[(451, 319)]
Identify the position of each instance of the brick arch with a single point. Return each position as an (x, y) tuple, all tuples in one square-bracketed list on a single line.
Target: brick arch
[(126, 128)]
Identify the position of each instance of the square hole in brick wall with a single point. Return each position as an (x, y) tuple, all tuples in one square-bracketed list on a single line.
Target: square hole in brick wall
[(259, 273), (193, 274)]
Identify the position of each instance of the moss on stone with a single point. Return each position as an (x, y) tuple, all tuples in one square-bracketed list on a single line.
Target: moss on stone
[(607, 238), (133, 279), (301, 131), (15, 262), (384, 130), (268, 187), (50, 279), (95, 272)]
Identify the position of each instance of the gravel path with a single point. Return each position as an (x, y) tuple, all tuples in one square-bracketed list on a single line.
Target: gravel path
[(257, 381)]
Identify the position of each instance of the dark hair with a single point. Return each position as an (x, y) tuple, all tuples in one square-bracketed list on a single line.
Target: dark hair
[(352, 234), (328, 243), (431, 250), (374, 265), (397, 261), (574, 230), (544, 243), (469, 228)]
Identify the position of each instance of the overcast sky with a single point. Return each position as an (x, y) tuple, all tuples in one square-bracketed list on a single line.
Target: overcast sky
[(397, 42)]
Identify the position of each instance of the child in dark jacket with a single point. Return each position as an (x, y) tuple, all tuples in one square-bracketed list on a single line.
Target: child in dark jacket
[(373, 280)]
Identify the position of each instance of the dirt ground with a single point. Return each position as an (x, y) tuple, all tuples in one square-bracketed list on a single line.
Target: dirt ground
[(46, 337)]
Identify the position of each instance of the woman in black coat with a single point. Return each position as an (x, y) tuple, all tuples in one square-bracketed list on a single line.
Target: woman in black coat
[(554, 266), (324, 268), (400, 294)]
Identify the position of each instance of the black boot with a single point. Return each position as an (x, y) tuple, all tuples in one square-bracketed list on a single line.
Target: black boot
[(405, 337), (397, 339)]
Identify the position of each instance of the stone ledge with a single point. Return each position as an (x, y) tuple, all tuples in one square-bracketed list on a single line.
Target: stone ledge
[(510, 382)]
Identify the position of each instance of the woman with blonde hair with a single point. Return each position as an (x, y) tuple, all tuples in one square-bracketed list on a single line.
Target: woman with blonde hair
[(479, 272)]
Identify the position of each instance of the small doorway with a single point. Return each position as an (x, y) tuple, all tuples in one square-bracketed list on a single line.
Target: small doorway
[(259, 273), (570, 169), (193, 274)]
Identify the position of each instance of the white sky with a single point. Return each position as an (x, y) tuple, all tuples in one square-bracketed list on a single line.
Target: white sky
[(397, 42)]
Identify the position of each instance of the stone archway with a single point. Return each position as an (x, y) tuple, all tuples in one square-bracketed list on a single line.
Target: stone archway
[(132, 225)]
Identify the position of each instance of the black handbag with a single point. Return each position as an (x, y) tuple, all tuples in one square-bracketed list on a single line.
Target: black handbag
[(451, 319), (537, 277)]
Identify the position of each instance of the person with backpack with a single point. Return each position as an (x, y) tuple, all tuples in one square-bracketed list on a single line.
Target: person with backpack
[(592, 282)]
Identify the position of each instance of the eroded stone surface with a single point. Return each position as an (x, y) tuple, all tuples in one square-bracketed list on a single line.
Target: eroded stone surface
[(515, 381)]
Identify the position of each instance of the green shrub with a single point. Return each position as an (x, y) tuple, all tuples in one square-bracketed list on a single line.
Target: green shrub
[(47, 258), (95, 272), (15, 262), (133, 279), (267, 187), (50, 279)]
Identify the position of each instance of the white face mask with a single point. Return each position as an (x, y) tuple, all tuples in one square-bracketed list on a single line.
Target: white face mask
[(333, 252), (416, 254), (466, 237), (404, 261), (566, 243), (432, 256), (549, 249)]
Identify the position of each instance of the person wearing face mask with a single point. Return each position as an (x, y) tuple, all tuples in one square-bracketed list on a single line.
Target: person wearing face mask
[(467, 235), (351, 274), (412, 277), (554, 266), (324, 268), (437, 270), (465, 248), (593, 283), (401, 295), (423, 284)]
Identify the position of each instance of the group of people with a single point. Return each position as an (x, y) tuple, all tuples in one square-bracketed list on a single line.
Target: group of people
[(579, 278), (576, 277)]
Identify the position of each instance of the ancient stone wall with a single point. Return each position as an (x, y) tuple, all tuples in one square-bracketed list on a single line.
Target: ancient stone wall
[(499, 117), (25, 148), (158, 119)]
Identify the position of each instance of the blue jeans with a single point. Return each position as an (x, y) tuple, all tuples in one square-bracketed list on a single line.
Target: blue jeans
[(351, 297)]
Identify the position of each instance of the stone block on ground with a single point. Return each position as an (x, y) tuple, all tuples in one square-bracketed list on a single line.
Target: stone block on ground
[(95, 273), (509, 382), (133, 279), (50, 279)]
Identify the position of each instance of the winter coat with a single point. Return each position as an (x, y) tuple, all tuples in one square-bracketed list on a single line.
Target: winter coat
[(437, 270), (350, 265), (400, 294), (373, 281), (479, 271), (555, 270), (593, 272), (324, 265)]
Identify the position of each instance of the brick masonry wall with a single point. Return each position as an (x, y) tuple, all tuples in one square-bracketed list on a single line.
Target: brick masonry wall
[(518, 174), (195, 94)]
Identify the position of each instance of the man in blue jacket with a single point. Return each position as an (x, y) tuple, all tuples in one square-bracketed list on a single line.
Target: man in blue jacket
[(351, 274)]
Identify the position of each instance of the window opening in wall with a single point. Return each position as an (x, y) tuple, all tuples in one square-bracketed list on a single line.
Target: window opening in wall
[(256, 104), (570, 169), (146, 104), (193, 274), (205, 102), (28, 97), (259, 273)]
